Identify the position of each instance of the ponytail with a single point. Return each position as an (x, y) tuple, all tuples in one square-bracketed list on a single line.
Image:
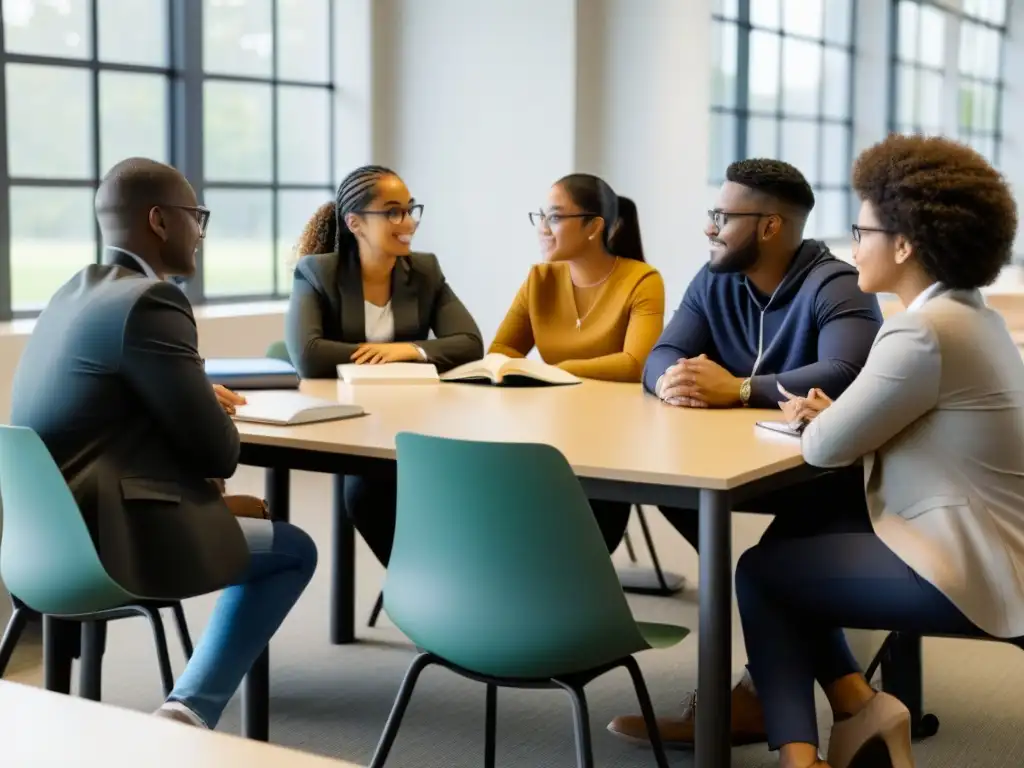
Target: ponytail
[(621, 233), (318, 236), (624, 239)]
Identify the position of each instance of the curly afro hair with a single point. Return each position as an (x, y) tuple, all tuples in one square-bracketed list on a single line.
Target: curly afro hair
[(775, 179), (954, 208)]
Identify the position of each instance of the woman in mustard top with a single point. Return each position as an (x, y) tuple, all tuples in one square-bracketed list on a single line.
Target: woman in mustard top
[(594, 308)]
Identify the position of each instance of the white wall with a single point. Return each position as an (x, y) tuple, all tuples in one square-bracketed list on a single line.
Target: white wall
[(476, 111), (481, 106), (642, 120)]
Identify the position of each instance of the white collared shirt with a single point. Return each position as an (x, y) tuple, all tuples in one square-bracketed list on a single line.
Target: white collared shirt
[(923, 296), (147, 270)]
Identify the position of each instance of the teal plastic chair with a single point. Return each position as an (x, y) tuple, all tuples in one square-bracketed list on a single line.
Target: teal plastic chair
[(278, 351), (478, 591), (49, 564)]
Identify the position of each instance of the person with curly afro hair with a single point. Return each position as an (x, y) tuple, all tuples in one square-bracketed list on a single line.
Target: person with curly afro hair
[(937, 415)]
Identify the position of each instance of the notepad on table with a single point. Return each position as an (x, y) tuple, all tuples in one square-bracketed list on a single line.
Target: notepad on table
[(290, 408), (251, 373), (504, 370), (388, 373)]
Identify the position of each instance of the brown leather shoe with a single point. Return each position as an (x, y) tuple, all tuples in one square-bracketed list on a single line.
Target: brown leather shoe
[(677, 732)]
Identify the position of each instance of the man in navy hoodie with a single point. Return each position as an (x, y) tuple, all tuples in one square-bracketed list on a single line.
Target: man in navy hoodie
[(769, 309)]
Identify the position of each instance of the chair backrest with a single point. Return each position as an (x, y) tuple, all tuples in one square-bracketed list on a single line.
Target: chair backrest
[(498, 565), (47, 557), (278, 351)]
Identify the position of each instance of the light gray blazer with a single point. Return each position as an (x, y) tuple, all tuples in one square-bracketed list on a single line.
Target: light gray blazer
[(937, 413)]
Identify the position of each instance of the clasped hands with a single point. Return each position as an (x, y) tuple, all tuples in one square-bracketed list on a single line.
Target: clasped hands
[(699, 382), (798, 409)]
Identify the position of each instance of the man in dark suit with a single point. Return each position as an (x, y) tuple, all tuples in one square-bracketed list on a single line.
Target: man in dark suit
[(112, 381)]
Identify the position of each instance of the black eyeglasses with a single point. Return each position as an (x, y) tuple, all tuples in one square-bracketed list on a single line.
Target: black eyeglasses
[(396, 215), (857, 231), (720, 218), (551, 219), (201, 212)]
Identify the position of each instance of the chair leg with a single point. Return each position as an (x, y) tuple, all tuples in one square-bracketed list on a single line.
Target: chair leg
[(649, 540), (628, 541), (647, 711), (387, 739), (902, 678), (183, 633), (19, 619), (491, 726), (58, 653), (163, 657), (90, 673), (375, 613), (581, 721)]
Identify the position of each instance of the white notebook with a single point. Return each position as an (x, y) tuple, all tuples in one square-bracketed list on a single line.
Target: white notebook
[(388, 373), (289, 407), (495, 369)]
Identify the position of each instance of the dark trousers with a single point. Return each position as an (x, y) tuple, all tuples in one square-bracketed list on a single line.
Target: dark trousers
[(371, 504), (796, 508), (800, 586)]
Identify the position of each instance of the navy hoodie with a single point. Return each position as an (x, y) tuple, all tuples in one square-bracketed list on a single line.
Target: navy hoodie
[(815, 331)]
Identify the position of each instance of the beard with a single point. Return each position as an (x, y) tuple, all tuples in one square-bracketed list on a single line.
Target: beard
[(738, 259)]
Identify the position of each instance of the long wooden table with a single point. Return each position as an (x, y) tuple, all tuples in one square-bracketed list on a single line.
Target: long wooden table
[(39, 728), (623, 445)]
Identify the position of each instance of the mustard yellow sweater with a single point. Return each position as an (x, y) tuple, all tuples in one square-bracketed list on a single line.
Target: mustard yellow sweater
[(620, 320)]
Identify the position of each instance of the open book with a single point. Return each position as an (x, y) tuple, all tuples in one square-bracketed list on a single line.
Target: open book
[(388, 373), (510, 371), (288, 408)]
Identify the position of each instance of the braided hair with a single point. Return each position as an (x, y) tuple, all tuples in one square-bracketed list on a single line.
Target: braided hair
[(354, 193)]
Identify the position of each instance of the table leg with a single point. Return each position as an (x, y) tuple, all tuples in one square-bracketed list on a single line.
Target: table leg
[(343, 570), (256, 685), (256, 699), (277, 492), (714, 673)]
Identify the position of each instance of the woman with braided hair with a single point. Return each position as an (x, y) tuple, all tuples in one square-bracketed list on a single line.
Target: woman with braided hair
[(361, 295)]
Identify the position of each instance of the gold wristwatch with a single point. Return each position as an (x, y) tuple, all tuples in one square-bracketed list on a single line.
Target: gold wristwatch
[(745, 391)]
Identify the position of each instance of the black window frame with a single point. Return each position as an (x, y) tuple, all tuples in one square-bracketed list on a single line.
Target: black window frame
[(741, 111), (897, 64), (185, 112)]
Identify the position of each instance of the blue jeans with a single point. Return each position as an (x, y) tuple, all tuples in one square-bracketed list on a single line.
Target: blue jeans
[(245, 618), (800, 586)]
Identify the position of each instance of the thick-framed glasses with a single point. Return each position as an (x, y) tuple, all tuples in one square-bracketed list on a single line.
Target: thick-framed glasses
[(858, 231), (719, 219), (538, 218), (201, 212), (396, 215)]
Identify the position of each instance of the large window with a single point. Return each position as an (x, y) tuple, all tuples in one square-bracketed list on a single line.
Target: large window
[(782, 88), (947, 70), (235, 93)]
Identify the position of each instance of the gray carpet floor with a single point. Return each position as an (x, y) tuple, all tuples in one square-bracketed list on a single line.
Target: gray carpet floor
[(334, 700)]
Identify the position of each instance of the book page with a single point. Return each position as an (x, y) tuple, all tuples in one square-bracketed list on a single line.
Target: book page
[(277, 406), (488, 367)]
